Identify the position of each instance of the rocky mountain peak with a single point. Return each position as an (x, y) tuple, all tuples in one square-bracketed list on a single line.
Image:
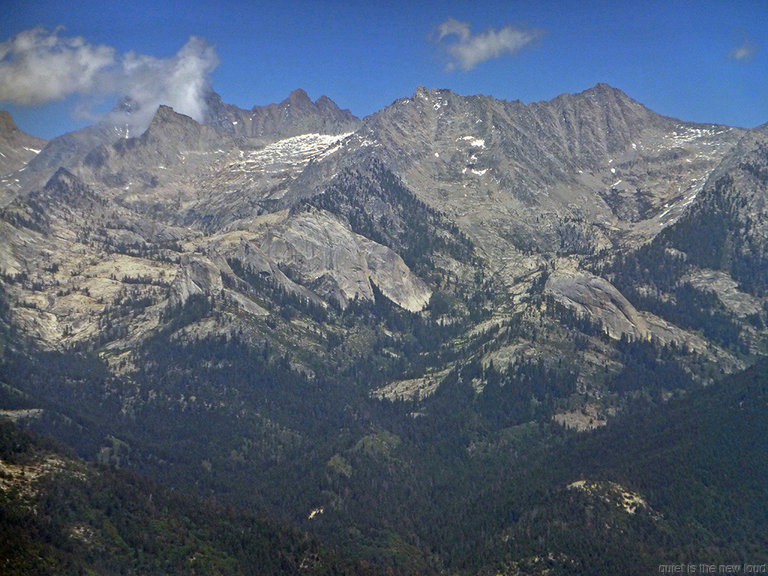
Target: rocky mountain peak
[(421, 92), (7, 123), (601, 90), (538, 162), (298, 110), (62, 177), (167, 114), (177, 129), (298, 98), (325, 103), (602, 96), (425, 95), (17, 146), (174, 144)]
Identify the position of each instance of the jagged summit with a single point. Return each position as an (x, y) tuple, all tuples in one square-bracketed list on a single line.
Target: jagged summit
[(297, 97), (326, 104), (295, 115), (602, 90), (165, 116), (7, 124), (165, 112), (597, 93), (612, 100), (17, 147), (543, 173), (173, 144)]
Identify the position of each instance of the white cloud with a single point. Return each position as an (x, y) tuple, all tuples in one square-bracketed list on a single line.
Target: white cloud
[(181, 81), (743, 51), (38, 66), (467, 50), (453, 27)]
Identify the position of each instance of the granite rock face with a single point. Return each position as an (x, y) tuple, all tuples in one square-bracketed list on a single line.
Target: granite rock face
[(598, 300), (322, 251), (101, 219)]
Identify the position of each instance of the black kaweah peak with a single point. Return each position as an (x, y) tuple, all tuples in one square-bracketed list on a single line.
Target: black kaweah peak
[(295, 115)]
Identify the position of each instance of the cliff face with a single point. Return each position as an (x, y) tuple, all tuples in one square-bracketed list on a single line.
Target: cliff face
[(17, 148)]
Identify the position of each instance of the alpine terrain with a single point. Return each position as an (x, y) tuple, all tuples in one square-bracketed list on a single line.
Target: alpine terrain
[(459, 336)]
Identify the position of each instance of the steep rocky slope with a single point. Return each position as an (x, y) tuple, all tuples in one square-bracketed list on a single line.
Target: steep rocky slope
[(17, 148), (574, 175)]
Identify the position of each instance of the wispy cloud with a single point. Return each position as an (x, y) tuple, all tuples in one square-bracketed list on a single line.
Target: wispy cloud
[(182, 81), (466, 50), (743, 51), (39, 66)]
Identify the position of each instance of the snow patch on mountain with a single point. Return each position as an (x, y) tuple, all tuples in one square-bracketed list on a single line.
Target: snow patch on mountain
[(290, 153)]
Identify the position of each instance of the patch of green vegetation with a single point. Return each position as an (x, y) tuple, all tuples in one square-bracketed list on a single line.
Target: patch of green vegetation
[(381, 444)]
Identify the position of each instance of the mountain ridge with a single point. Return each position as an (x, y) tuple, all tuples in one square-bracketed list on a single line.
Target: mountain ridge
[(295, 115)]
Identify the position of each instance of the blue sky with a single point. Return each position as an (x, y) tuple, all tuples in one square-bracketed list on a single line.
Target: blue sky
[(701, 61)]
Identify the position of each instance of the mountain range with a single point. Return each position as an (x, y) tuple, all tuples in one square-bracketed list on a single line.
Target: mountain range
[(388, 330)]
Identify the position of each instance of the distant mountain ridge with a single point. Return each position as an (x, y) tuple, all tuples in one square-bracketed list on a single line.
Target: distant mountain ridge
[(295, 115), (262, 125), (537, 189), (576, 173)]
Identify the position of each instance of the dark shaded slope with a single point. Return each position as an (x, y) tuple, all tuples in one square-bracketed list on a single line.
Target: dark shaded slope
[(61, 516), (728, 228), (699, 463)]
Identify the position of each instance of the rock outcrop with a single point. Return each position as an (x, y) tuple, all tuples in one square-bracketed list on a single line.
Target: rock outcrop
[(323, 253), (599, 301)]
